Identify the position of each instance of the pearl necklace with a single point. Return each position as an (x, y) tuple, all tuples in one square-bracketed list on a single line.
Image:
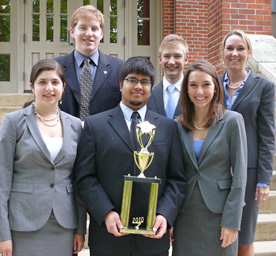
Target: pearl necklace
[(198, 128), (45, 120), (234, 87)]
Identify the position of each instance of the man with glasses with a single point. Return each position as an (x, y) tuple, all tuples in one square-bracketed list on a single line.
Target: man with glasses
[(105, 155)]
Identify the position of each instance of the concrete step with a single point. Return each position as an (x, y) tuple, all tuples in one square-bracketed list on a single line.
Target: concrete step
[(266, 248), (273, 183), (269, 206), (266, 227), (5, 110), (14, 100)]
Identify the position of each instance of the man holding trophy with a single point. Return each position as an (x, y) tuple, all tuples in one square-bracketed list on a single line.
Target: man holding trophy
[(129, 171)]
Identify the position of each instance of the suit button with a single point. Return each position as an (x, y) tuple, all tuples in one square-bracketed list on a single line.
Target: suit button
[(53, 168), (52, 185)]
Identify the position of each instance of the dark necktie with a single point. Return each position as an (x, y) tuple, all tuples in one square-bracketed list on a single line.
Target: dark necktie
[(86, 87), (135, 120)]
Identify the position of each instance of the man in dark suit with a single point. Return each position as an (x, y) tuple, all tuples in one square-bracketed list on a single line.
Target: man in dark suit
[(165, 96), (87, 25), (105, 154)]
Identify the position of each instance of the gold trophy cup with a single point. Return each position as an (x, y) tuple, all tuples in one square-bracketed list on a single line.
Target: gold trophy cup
[(143, 160)]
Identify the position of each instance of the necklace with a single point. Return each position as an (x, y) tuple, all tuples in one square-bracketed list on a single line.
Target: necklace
[(45, 120), (234, 87), (198, 128)]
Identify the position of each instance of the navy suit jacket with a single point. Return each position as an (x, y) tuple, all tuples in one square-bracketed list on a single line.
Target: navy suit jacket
[(106, 88), (105, 154), (256, 103), (156, 101)]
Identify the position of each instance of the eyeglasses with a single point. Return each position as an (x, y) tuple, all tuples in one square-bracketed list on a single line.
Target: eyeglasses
[(133, 81)]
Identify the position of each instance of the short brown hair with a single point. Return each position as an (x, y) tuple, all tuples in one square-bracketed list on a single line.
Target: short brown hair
[(216, 109), (87, 11), (172, 40)]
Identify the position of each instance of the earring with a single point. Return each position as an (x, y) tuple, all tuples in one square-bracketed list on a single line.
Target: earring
[(60, 101)]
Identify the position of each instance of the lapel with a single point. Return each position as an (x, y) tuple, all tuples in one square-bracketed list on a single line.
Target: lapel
[(33, 127), (103, 72), (71, 76), (188, 142), (250, 83), (159, 99), (66, 126), (117, 121), (212, 133), (178, 107)]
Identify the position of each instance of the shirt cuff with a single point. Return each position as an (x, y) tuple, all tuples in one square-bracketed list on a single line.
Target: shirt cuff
[(262, 185)]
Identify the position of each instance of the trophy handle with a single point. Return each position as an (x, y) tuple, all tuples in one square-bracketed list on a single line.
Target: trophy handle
[(139, 137), (135, 159), (151, 138), (150, 155)]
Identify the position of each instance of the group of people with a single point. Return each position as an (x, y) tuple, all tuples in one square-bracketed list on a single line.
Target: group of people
[(65, 154)]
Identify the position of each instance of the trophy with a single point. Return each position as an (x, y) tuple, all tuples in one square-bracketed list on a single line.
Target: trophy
[(143, 160)]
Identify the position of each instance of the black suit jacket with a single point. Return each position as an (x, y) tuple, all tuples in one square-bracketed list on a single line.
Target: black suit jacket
[(106, 88), (156, 101), (105, 154), (256, 103)]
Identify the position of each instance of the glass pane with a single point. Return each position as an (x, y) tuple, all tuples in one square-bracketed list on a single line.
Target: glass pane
[(50, 28), (143, 31), (35, 5), (143, 8), (5, 6), (113, 30), (63, 6), (36, 28), (100, 5), (50, 6), (63, 28), (5, 67), (5, 24), (85, 2), (113, 7)]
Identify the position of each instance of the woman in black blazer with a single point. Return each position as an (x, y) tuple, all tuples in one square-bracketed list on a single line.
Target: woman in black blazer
[(254, 97)]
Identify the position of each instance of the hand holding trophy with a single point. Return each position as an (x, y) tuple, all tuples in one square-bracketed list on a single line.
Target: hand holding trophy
[(143, 159)]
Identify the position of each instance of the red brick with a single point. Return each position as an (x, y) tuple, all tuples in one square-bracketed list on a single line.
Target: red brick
[(255, 17), (239, 16), (255, 6), (238, 5), (247, 22), (246, 11), (264, 12)]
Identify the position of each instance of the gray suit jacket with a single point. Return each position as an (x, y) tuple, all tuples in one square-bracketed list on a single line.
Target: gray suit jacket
[(156, 101), (31, 184), (221, 170), (256, 103)]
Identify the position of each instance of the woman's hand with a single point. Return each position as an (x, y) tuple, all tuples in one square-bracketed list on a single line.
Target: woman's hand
[(6, 248), (78, 243), (228, 236), (261, 195)]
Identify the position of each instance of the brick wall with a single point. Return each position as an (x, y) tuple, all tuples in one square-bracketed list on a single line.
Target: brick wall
[(204, 23)]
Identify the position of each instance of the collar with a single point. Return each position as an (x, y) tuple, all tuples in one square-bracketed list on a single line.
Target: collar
[(226, 78), (127, 112), (177, 85), (80, 57)]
